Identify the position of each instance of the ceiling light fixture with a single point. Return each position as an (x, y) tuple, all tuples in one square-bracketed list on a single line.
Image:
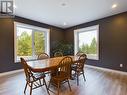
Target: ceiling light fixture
[(64, 23), (14, 6), (114, 6), (63, 4)]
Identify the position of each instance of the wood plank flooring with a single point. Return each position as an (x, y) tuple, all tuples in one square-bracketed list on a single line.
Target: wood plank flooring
[(98, 82)]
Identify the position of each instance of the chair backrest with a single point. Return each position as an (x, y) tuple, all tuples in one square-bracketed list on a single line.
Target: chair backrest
[(81, 61), (79, 53), (65, 66), (27, 70), (58, 54), (43, 56)]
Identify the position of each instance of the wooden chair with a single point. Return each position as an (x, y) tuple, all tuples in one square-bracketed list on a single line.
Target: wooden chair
[(63, 73), (43, 56), (58, 54), (78, 67), (79, 53), (33, 79)]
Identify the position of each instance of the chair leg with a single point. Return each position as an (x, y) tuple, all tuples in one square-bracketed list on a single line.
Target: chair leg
[(49, 83), (31, 88), (58, 88), (69, 84), (77, 79), (46, 86), (40, 82), (25, 87), (84, 77), (43, 82)]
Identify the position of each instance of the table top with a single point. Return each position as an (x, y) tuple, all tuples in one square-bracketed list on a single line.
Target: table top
[(47, 64)]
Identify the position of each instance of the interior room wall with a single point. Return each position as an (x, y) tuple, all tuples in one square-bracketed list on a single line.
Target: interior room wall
[(112, 41), (7, 40)]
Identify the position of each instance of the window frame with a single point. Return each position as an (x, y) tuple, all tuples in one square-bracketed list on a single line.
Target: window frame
[(76, 39), (47, 38)]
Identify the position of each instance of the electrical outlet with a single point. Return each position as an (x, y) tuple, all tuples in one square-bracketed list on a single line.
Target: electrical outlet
[(121, 65)]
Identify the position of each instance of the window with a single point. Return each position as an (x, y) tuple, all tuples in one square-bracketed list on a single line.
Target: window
[(86, 40), (30, 41)]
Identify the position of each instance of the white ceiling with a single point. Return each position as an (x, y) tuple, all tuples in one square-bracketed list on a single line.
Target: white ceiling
[(73, 13)]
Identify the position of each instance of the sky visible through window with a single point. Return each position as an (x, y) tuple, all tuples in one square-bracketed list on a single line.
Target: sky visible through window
[(20, 30), (86, 37)]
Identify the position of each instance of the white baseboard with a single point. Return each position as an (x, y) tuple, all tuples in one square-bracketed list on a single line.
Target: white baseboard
[(10, 72), (106, 69), (89, 66)]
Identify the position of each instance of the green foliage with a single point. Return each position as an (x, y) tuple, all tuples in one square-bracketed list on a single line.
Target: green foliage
[(93, 46), (65, 48), (39, 42), (89, 49), (24, 43)]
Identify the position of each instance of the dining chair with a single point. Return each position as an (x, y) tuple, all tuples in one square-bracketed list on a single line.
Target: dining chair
[(63, 73), (58, 54), (33, 80), (43, 56), (79, 53), (78, 67)]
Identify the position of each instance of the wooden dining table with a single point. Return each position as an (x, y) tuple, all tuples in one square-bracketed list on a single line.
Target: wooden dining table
[(47, 64)]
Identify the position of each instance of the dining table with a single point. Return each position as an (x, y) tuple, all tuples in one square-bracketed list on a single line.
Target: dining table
[(47, 64)]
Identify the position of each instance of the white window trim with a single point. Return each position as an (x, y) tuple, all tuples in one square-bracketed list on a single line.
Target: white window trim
[(47, 41), (76, 41)]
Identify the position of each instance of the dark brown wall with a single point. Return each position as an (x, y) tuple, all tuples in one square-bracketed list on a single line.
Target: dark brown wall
[(112, 41), (7, 41), (7, 46)]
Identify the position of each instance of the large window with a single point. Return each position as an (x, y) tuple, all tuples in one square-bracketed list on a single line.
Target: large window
[(87, 41), (30, 41)]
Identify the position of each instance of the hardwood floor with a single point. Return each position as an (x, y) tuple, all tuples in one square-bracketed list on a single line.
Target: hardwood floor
[(98, 82)]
